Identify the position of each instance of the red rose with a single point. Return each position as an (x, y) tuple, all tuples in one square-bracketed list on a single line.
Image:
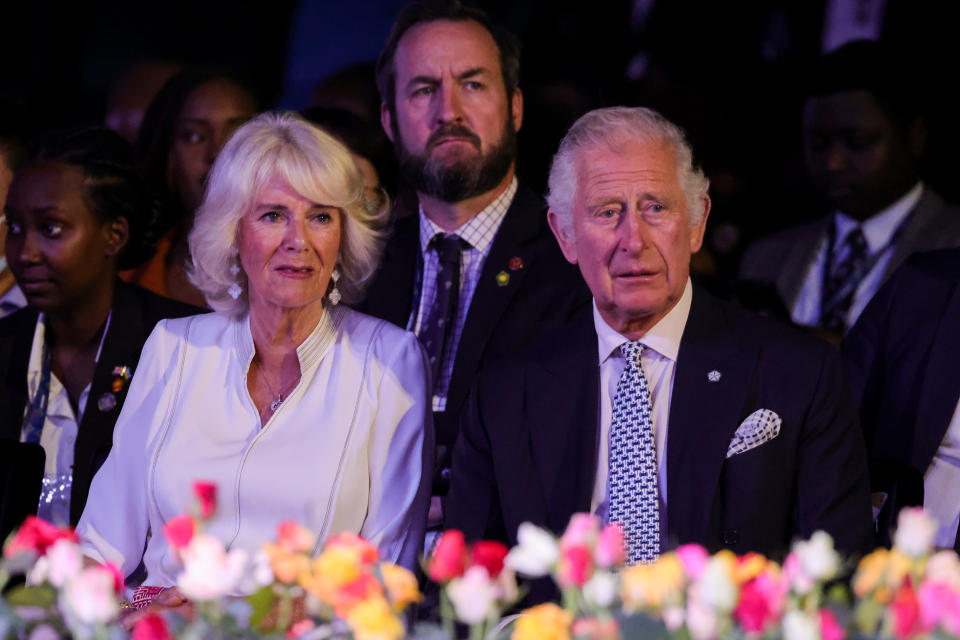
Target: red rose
[(489, 555), (206, 493), (449, 558), (906, 612), (576, 566), (179, 531), (151, 627), (37, 535)]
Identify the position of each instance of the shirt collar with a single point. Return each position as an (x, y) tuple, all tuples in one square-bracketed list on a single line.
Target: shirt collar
[(474, 231), (879, 228), (663, 337), (309, 352)]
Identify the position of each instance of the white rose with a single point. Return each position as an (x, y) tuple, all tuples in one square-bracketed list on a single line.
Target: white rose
[(716, 587), (818, 558), (944, 566), (799, 626), (672, 617), (915, 532), (65, 561), (89, 597), (536, 552), (473, 595), (209, 572), (601, 589), (702, 622)]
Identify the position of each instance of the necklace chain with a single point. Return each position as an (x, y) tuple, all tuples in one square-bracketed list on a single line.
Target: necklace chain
[(278, 400)]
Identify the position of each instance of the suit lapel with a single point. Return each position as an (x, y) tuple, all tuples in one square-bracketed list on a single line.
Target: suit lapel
[(919, 229), (121, 347), (704, 415), (15, 358), (391, 295), (493, 295), (563, 410), (798, 260), (941, 386)]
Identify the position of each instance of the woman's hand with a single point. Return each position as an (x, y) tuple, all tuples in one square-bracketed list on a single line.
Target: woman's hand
[(169, 600)]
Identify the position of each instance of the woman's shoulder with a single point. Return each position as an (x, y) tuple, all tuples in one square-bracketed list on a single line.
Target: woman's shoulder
[(205, 329), (379, 334)]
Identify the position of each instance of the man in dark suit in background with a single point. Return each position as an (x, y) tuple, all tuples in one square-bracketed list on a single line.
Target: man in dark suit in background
[(476, 273), (864, 136), (662, 408), (902, 358)]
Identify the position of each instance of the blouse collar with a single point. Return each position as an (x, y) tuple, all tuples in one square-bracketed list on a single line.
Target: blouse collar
[(309, 352)]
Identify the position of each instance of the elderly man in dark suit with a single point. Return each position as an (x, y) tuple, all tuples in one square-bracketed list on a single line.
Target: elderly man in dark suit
[(662, 408), (864, 136), (475, 273), (902, 358)]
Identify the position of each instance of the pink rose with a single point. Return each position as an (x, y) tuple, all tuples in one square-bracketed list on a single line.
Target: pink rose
[(939, 606), (449, 558), (595, 629), (576, 566), (206, 493), (489, 555), (610, 551), (294, 538), (830, 629), (37, 535), (754, 610), (151, 627), (694, 559), (581, 530), (297, 629), (179, 531)]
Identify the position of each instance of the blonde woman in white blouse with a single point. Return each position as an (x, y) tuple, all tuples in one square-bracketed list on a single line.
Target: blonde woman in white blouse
[(294, 405)]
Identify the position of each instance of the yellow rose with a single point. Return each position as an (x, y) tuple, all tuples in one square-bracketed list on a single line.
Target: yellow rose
[(372, 619), (869, 572), (653, 585), (543, 622), (401, 586), (287, 566)]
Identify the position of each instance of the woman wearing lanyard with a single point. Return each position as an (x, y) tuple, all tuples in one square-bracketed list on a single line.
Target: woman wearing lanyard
[(76, 212)]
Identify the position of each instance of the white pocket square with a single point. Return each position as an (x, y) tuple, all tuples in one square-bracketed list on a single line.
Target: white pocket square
[(760, 426)]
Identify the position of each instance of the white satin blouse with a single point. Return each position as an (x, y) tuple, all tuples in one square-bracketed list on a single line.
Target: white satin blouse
[(346, 451)]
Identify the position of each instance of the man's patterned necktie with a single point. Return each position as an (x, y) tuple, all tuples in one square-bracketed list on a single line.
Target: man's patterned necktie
[(632, 479), (435, 332), (848, 269)]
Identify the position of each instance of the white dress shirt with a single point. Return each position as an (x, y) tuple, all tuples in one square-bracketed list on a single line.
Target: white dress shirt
[(878, 230), (659, 361), (478, 232), (59, 435), (940, 494), (344, 452)]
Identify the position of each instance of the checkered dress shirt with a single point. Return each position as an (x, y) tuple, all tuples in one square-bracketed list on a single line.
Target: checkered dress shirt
[(478, 232)]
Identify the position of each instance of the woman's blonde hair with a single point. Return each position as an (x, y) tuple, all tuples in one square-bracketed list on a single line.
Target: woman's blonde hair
[(317, 167)]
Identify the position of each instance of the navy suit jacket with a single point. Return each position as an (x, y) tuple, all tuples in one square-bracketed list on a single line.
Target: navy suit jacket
[(528, 447), (135, 312), (902, 357), (544, 292)]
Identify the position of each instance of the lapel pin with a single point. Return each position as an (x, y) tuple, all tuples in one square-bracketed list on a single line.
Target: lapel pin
[(106, 402), (117, 385), (516, 263), (714, 376), (503, 279), (123, 372)]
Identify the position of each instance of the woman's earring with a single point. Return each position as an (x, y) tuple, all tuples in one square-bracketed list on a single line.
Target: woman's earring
[(234, 289), (334, 295)]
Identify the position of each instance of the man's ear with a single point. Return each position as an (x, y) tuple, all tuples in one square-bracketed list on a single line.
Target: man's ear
[(564, 237), (516, 109), (697, 231), (386, 120), (118, 234)]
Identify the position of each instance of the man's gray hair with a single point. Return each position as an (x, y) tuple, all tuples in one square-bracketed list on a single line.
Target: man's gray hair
[(612, 127)]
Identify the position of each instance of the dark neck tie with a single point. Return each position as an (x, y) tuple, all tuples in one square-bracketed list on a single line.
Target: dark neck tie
[(847, 269), (436, 328)]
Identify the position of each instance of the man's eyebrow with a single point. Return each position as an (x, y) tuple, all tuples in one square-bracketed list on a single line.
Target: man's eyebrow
[(422, 79), (471, 72)]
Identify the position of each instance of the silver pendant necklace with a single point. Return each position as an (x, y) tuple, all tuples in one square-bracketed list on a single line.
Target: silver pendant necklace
[(275, 404)]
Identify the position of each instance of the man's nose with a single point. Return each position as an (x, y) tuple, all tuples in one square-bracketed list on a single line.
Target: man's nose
[(449, 104), (836, 156), (633, 232)]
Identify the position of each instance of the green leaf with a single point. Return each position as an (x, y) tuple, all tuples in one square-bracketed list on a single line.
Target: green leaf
[(32, 596), (262, 602)]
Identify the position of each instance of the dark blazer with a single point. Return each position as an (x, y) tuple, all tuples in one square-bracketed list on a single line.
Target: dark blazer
[(528, 447), (902, 357), (135, 312), (542, 293), (784, 259)]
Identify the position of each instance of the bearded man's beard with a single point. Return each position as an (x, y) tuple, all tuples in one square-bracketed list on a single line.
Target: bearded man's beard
[(461, 179)]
